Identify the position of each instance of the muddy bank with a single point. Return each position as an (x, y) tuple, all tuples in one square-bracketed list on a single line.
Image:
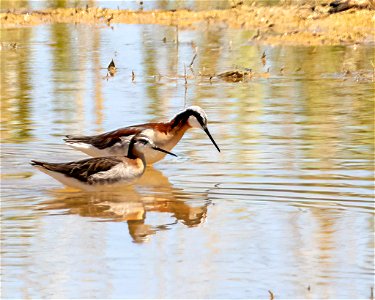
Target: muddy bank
[(272, 25)]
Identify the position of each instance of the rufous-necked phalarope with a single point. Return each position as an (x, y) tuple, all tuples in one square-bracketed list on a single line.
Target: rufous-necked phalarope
[(165, 135), (105, 172)]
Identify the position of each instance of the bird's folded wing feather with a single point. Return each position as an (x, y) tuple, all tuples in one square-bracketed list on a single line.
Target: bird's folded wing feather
[(107, 139), (83, 169), (127, 171)]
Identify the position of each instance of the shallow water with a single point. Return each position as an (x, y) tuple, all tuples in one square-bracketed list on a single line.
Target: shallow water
[(287, 206)]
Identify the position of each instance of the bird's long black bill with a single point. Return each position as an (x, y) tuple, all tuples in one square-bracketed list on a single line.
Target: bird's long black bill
[(211, 138), (162, 150)]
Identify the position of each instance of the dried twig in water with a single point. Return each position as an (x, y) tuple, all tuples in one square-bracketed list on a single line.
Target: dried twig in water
[(372, 293), (177, 35), (271, 295), (263, 58), (185, 76), (133, 76), (192, 61), (111, 65), (236, 76), (109, 20), (185, 95), (257, 35), (111, 68)]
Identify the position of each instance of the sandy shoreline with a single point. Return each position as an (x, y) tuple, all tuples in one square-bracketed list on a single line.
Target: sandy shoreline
[(294, 25)]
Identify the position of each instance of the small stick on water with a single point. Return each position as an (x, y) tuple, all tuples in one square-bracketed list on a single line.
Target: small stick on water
[(133, 76), (177, 35), (192, 61), (111, 65), (111, 68), (185, 96), (109, 20), (372, 293), (263, 58), (257, 35), (271, 295), (185, 75)]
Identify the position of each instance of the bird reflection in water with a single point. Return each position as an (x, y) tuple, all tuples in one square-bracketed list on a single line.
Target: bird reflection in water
[(152, 193)]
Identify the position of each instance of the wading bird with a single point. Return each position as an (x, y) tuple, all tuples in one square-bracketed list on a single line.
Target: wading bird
[(165, 135), (103, 172)]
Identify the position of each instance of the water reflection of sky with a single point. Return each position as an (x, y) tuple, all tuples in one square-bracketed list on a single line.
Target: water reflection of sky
[(286, 205)]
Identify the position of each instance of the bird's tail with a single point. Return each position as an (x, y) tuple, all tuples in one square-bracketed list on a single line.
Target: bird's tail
[(76, 139), (37, 163)]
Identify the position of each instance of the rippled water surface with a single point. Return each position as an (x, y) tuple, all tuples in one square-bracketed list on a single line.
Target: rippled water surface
[(287, 206)]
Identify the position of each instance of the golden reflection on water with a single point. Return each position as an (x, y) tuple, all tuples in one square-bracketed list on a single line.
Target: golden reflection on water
[(129, 205), (99, 100), (15, 86)]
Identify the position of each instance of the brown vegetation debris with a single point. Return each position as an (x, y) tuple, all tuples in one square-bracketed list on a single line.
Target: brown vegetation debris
[(306, 25)]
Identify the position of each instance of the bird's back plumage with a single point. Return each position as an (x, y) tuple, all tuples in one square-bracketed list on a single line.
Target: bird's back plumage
[(83, 170)]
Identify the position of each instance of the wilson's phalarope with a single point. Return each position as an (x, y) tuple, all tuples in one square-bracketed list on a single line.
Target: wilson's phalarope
[(165, 135), (90, 173)]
